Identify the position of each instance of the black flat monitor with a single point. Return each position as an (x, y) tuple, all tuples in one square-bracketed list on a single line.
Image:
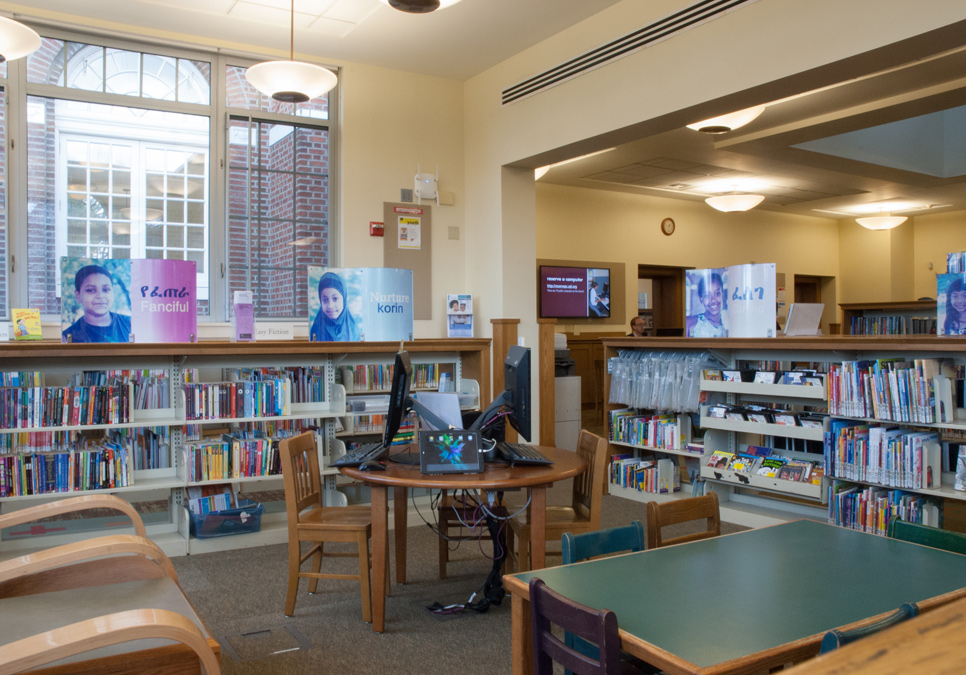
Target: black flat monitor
[(400, 403), (515, 398), (402, 372)]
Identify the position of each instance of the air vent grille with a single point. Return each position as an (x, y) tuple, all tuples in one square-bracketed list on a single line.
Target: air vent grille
[(698, 13)]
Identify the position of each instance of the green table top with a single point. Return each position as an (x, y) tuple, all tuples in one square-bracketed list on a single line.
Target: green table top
[(718, 599)]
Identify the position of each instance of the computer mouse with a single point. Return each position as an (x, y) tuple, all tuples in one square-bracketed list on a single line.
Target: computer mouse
[(372, 465)]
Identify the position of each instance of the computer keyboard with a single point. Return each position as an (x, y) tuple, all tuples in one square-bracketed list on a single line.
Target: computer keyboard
[(521, 453), (361, 453)]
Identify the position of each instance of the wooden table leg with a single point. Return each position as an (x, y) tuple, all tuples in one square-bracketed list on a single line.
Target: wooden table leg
[(380, 554), (538, 527), (400, 516), (522, 635)]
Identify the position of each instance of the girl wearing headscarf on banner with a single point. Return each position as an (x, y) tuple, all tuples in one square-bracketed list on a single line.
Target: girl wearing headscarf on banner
[(334, 322)]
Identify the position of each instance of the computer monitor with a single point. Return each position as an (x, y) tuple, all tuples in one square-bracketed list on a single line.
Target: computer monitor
[(400, 403), (398, 396), (515, 398)]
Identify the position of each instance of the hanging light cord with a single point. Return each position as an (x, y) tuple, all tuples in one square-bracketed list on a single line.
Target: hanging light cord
[(291, 41)]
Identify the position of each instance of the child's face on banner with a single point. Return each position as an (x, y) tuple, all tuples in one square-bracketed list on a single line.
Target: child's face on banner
[(332, 303), (96, 295)]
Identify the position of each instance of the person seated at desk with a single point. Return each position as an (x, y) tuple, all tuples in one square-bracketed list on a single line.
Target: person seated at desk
[(638, 327), (597, 303)]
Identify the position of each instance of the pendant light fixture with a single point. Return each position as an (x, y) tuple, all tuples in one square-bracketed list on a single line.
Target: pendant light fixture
[(291, 81), (419, 6), (16, 40)]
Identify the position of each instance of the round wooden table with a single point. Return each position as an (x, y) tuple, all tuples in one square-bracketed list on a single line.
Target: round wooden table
[(496, 476)]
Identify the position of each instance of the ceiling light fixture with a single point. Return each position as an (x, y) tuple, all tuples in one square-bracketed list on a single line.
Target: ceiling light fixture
[(735, 201), (540, 172), (881, 222), (16, 40), (729, 122), (419, 6), (291, 81)]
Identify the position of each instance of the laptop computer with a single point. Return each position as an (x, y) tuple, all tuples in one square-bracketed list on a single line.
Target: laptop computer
[(450, 451)]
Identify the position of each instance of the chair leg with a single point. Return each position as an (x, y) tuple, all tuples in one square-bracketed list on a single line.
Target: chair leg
[(315, 567), (294, 552), (364, 569)]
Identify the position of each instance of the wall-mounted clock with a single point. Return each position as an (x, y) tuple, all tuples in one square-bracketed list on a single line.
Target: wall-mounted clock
[(667, 226)]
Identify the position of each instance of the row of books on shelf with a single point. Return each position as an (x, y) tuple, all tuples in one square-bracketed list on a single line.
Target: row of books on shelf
[(209, 498), (766, 415), (306, 383), (654, 431), (232, 455), (227, 400), (152, 388), (809, 378), (870, 509), (890, 456), (886, 389), (644, 475), (378, 377), (892, 325), (756, 460), (656, 381), (25, 407), (92, 467), (360, 424)]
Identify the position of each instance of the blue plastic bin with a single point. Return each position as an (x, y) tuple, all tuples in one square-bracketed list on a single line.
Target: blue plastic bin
[(244, 519)]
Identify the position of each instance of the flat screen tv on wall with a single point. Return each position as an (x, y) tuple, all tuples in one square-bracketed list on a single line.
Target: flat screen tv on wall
[(574, 292)]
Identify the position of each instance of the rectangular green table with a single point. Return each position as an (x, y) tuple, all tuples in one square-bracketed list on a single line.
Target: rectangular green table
[(749, 601)]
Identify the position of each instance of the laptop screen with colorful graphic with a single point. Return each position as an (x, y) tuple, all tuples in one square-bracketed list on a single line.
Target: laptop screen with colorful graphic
[(450, 451)]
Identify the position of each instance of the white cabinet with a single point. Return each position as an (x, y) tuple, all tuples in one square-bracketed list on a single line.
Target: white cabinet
[(567, 411)]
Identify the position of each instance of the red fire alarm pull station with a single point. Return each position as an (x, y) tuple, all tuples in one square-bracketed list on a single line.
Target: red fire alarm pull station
[(375, 229)]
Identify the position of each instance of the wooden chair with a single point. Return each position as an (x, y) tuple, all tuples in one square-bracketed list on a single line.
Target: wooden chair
[(926, 535), (310, 521), (549, 608), (679, 511), (107, 604), (836, 638), (583, 514)]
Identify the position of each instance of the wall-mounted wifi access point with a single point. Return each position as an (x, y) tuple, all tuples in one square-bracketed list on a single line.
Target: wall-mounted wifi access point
[(426, 186)]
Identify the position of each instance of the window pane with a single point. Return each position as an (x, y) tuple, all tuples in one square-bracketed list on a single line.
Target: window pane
[(194, 81), (286, 227), (103, 201), (159, 79)]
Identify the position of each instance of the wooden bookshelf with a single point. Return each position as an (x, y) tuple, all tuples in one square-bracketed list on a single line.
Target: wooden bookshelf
[(466, 360)]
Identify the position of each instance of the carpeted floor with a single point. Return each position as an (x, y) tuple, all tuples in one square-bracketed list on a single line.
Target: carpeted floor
[(240, 595)]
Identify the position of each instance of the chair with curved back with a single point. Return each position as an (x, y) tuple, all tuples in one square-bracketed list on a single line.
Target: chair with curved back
[(599, 627), (583, 514), (576, 547), (310, 521), (926, 535), (675, 512), (106, 604), (836, 638)]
